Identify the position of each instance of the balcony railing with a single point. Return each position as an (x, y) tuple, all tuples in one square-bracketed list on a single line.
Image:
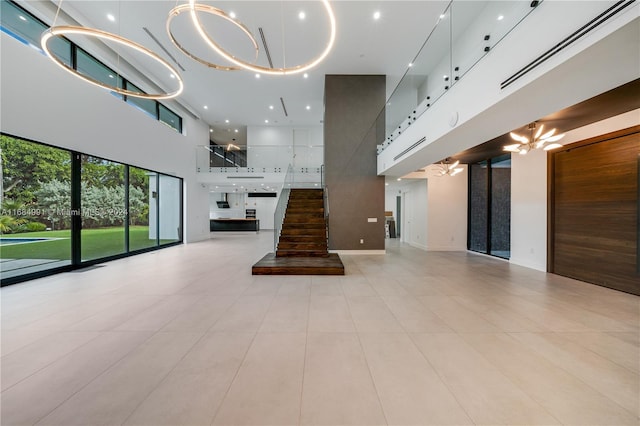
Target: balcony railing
[(464, 33), (259, 158)]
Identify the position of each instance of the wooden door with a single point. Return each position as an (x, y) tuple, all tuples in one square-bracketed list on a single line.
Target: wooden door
[(594, 211)]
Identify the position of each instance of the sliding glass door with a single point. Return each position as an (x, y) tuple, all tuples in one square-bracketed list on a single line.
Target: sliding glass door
[(35, 198), (62, 210), (489, 229)]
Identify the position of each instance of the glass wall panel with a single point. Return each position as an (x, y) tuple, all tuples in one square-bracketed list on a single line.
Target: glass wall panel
[(102, 198), (478, 207), (26, 28), (170, 118), (501, 206), (35, 198), (141, 200), (170, 209), (146, 105), (91, 67)]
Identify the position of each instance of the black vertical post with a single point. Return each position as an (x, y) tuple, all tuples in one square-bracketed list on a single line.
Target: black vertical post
[(489, 204), (126, 209), (76, 208), (157, 209)]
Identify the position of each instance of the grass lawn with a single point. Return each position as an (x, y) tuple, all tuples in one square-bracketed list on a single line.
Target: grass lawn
[(96, 243)]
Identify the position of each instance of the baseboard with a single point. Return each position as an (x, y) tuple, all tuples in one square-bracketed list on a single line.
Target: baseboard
[(418, 246), (446, 248), (346, 252), (530, 265)]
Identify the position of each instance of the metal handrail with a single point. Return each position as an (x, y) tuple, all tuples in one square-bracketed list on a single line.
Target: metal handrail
[(281, 207)]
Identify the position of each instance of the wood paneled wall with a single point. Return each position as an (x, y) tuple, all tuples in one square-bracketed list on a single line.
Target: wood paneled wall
[(594, 210)]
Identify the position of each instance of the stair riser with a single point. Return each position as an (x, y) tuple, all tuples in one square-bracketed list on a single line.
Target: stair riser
[(295, 246)]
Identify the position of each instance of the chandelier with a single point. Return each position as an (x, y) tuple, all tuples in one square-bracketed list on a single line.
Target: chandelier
[(193, 8), (65, 30), (537, 141), (446, 168)]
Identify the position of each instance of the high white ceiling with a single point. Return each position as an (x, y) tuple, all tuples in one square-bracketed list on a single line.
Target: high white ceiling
[(363, 45)]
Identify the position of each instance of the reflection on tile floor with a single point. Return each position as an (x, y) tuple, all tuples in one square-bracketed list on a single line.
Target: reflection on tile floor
[(187, 336)]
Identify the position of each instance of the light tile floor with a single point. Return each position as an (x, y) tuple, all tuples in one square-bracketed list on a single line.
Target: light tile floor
[(186, 336)]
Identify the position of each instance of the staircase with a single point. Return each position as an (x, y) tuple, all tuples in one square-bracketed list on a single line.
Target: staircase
[(304, 230), (302, 244)]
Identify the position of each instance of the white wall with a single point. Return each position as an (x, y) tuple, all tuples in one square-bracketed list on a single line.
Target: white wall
[(447, 212), (44, 103), (414, 222), (270, 146), (529, 210)]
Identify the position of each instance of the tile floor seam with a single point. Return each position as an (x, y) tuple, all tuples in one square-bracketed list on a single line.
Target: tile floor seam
[(107, 368), (210, 328), (551, 360), (364, 355), (507, 378), (586, 348), (59, 358), (142, 400), (232, 381), (304, 359), (244, 358), (440, 377)]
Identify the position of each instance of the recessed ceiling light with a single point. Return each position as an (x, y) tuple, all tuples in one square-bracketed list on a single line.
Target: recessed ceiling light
[(376, 15), (236, 130), (500, 18), (399, 179), (111, 17), (266, 121), (262, 184), (111, 76), (172, 75), (257, 75), (410, 64), (23, 18), (308, 107), (270, 106), (442, 16), (210, 130), (234, 184), (226, 121), (306, 75), (206, 107), (302, 15), (386, 184), (232, 14)]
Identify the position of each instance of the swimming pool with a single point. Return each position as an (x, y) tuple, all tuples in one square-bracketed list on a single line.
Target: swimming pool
[(4, 241)]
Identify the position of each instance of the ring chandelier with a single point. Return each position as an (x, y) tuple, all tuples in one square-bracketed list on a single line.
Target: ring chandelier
[(213, 11), (194, 8), (57, 31)]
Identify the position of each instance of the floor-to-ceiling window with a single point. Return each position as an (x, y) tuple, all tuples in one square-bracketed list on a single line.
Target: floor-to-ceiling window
[(102, 199), (35, 224), (142, 201), (490, 207), (118, 209)]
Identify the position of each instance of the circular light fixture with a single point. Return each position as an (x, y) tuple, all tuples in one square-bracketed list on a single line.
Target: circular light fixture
[(213, 11), (305, 75), (308, 107), (302, 16), (270, 106), (193, 7), (111, 17), (376, 15), (257, 75), (91, 32)]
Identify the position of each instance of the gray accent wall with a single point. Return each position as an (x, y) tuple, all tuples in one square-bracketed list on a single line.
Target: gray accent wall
[(356, 192)]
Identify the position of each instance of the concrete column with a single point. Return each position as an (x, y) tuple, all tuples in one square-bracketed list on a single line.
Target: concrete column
[(351, 133)]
